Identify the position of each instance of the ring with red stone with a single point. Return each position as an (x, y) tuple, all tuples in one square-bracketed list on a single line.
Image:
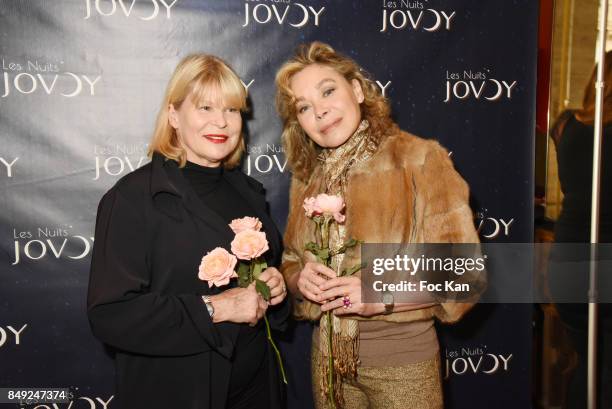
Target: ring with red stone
[(346, 302)]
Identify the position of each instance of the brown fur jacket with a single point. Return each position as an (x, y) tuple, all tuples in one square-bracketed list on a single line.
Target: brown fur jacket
[(407, 192)]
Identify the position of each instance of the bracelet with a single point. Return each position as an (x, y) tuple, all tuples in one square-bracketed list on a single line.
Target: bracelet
[(209, 307)]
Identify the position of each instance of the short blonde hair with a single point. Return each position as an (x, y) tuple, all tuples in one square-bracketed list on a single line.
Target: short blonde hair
[(300, 150), (197, 76)]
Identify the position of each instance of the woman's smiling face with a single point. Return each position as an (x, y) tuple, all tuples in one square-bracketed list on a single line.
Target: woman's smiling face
[(208, 130), (327, 105)]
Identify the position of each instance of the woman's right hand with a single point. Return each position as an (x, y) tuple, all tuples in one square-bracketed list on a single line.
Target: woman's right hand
[(239, 305), (311, 277)]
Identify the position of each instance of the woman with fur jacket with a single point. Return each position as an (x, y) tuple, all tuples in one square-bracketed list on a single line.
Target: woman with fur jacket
[(398, 188)]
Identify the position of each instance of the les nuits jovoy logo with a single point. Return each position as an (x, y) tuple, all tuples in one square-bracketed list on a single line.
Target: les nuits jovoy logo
[(480, 85), (44, 242), (413, 15), (40, 76), (118, 159), (145, 10), (474, 361), (296, 14)]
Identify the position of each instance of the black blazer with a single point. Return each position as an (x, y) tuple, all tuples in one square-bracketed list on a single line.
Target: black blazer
[(145, 296)]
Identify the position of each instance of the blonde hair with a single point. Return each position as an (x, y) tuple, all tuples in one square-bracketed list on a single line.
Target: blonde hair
[(197, 76), (300, 150)]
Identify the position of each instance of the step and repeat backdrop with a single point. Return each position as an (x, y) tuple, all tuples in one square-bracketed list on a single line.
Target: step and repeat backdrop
[(80, 85)]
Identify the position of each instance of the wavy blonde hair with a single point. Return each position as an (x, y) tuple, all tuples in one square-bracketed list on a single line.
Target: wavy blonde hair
[(197, 76), (300, 150)]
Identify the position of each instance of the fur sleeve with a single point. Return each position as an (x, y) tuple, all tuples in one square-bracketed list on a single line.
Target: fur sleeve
[(448, 219)]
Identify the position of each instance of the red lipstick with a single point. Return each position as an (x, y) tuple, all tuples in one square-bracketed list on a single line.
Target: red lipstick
[(216, 138)]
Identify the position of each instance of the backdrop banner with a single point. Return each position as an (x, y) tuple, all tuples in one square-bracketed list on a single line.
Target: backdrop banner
[(82, 81)]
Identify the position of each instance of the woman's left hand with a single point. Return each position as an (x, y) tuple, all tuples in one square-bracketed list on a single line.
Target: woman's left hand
[(344, 298), (275, 281)]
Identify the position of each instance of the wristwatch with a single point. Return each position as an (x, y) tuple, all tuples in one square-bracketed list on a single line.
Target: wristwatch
[(209, 306), (387, 299)]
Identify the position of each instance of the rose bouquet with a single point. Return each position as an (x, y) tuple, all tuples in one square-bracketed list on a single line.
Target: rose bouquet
[(219, 266)]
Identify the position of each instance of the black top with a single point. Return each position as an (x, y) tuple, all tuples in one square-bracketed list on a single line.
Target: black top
[(575, 161), (144, 297), (250, 351), (216, 192)]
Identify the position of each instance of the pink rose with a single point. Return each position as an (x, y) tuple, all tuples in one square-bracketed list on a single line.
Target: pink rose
[(246, 223), (217, 267), (309, 204), (339, 217), (249, 244), (330, 205)]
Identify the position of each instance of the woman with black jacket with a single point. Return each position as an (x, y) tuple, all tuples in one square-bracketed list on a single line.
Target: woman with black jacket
[(180, 342)]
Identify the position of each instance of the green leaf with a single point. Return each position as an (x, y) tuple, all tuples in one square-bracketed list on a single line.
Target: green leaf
[(351, 243), (323, 254), (258, 267), (263, 289), (243, 272), (243, 268), (312, 247), (353, 269)]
